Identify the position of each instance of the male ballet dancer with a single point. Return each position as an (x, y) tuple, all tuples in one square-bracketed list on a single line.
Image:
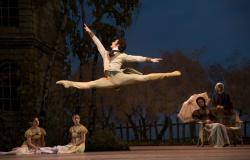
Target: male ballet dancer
[(114, 75)]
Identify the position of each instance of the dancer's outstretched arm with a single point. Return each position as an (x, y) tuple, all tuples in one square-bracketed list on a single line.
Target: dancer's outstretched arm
[(97, 42), (131, 58)]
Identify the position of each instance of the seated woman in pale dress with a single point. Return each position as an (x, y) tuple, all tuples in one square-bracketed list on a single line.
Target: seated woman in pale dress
[(218, 135), (34, 140), (78, 136)]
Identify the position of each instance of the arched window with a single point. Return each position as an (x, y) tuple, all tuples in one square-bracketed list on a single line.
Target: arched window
[(9, 82)]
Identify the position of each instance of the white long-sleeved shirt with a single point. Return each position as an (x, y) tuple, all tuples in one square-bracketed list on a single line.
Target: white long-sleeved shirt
[(115, 62)]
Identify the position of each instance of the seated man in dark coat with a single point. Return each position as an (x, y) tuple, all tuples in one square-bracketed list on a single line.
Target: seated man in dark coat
[(222, 102), (221, 99)]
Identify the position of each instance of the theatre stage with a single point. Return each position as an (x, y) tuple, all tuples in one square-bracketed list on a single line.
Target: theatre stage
[(241, 152)]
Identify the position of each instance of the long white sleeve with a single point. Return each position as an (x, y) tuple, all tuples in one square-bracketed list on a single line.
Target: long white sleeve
[(131, 58), (99, 45)]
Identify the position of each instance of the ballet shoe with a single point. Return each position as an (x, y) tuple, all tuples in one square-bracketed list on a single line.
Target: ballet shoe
[(176, 73)]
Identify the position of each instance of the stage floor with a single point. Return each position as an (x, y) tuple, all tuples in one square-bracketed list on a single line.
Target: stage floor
[(151, 153)]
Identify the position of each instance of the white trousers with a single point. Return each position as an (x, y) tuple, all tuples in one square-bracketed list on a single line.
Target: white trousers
[(119, 79)]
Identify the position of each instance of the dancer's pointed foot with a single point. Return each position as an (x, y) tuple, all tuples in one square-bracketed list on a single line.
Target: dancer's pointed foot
[(173, 74), (176, 73), (65, 83)]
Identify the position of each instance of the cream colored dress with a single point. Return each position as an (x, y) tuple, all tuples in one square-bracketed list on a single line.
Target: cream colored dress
[(73, 147), (218, 134), (76, 133), (37, 139)]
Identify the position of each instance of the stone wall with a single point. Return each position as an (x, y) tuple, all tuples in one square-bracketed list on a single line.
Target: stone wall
[(30, 46)]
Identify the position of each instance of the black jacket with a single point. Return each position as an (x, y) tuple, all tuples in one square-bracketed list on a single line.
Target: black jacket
[(223, 100)]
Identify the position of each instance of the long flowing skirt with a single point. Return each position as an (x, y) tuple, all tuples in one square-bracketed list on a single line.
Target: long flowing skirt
[(24, 149), (218, 134), (64, 149)]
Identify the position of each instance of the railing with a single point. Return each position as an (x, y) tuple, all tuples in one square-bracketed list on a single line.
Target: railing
[(177, 133)]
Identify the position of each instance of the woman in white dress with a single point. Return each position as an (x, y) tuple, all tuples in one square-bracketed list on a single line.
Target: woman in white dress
[(34, 140), (78, 137), (218, 135)]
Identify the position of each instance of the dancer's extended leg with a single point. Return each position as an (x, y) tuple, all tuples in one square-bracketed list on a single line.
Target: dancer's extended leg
[(156, 76), (118, 80), (99, 83), (127, 79)]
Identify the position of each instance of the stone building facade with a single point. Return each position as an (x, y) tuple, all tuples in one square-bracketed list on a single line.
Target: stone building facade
[(29, 30)]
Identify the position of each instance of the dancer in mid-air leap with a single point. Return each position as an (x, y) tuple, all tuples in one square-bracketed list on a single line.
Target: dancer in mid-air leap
[(114, 75)]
